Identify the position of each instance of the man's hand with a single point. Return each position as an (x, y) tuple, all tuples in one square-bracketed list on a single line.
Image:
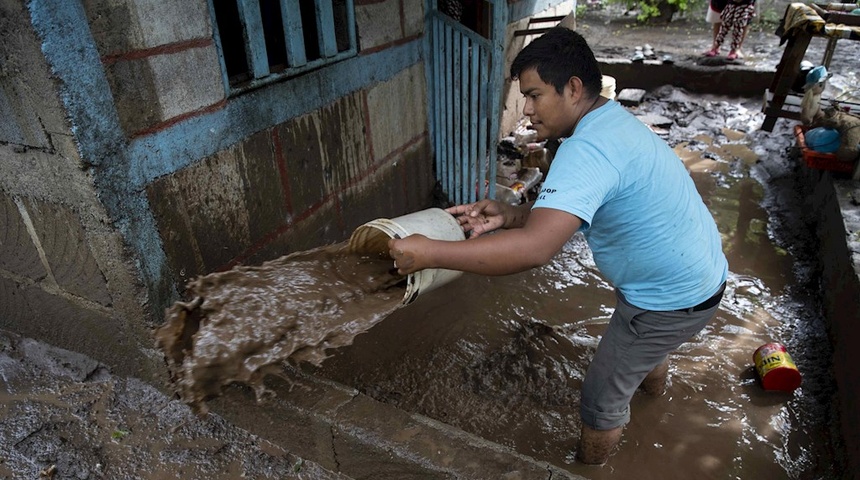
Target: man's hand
[(482, 217), (410, 254)]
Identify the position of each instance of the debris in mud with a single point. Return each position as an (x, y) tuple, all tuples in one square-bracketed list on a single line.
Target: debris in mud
[(243, 324), (66, 416)]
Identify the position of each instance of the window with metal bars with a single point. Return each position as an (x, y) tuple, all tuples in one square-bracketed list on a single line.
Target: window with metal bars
[(261, 41)]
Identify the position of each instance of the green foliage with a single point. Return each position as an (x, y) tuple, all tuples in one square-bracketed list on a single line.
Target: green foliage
[(581, 8), (649, 9)]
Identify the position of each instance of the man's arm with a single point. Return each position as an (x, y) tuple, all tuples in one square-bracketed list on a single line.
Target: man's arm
[(486, 216), (507, 251)]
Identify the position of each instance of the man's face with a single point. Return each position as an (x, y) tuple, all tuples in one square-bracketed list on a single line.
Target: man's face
[(552, 115)]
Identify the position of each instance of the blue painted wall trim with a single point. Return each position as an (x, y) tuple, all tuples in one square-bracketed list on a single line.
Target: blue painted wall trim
[(122, 169), (188, 141), (71, 53)]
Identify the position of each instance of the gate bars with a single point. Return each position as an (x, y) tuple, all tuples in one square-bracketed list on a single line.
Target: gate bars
[(464, 77)]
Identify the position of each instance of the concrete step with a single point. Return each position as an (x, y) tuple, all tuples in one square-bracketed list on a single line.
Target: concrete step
[(352, 434)]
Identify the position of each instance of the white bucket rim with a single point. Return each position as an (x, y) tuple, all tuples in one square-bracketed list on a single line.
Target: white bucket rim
[(422, 281)]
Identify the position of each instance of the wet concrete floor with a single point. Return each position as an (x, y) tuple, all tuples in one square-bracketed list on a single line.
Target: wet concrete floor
[(504, 357)]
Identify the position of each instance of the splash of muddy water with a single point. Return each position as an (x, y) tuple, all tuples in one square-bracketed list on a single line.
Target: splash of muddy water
[(245, 323)]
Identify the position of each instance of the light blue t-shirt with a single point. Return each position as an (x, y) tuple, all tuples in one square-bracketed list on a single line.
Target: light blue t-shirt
[(649, 230)]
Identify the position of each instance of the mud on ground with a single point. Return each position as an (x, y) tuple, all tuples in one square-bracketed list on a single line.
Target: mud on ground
[(612, 33)]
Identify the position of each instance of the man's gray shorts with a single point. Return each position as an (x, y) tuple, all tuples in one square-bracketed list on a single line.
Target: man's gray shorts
[(635, 342)]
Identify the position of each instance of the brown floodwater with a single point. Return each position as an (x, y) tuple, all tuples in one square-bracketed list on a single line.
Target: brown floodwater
[(504, 357)]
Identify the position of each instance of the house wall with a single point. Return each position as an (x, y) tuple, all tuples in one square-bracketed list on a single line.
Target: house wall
[(837, 218), (128, 169)]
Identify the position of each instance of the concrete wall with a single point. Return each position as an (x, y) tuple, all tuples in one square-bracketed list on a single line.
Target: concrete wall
[(722, 80), (837, 204), (63, 271), (127, 167)]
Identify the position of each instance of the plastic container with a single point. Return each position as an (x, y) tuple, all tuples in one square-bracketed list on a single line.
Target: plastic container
[(775, 368), (608, 87), (821, 161), (435, 223)]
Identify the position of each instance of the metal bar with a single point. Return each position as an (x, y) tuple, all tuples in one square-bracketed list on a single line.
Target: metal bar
[(219, 47), (429, 80), (294, 36), (449, 148), (474, 36), (500, 21), (530, 31), (456, 118), (482, 117), (465, 159), (443, 108), (350, 22), (438, 106), (325, 28), (556, 18), (475, 184), (828, 51), (292, 71), (255, 40)]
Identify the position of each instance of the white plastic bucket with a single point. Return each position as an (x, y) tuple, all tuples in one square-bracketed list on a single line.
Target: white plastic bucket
[(608, 87), (435, 223)]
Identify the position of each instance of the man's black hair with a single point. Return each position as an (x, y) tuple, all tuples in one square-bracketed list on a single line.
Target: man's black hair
[(557, 55)]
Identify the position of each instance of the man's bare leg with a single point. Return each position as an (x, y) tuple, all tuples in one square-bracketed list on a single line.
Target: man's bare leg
[(595, 446), (655, 382)]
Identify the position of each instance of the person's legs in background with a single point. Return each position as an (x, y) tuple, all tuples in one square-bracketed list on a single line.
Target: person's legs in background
[(740, 22), (713, 17)]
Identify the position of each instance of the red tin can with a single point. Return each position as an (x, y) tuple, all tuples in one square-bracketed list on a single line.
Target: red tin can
[(775, 368)]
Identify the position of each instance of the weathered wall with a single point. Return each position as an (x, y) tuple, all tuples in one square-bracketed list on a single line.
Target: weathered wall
[(128, 168), (837, 203), (63, 273)]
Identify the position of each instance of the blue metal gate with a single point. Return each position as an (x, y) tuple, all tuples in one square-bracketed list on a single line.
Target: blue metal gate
[(464, 78)]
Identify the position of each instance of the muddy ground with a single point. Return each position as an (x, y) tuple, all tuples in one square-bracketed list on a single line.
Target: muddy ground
[(63, 415), (614, 33)]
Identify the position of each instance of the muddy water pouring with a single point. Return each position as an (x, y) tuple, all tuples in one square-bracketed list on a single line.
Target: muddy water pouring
[(434, 223), (243, 324)]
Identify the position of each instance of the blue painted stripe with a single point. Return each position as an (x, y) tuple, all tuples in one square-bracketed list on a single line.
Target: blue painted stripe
[(69, 48)]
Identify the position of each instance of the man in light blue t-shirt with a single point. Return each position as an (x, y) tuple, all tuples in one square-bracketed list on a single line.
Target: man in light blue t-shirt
[(631, 196)]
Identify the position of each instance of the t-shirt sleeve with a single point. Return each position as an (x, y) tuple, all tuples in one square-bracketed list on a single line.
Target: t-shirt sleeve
[(579, 181)]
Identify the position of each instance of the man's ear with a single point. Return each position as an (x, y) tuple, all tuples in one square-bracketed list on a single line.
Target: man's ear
[(576, 88)]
